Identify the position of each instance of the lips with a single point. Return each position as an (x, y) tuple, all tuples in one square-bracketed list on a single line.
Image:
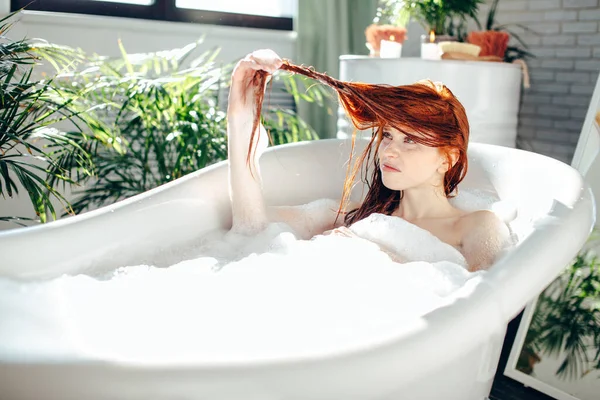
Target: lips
[(389, 168)]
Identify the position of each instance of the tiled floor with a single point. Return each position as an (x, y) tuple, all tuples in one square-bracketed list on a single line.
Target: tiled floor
[(505, 388)]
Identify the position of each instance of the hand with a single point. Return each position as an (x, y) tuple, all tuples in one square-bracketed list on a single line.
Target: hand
[(264, 59), (243, 88), (346, 232), (341, 231)]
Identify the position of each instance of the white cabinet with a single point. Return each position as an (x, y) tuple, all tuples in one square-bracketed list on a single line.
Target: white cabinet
[(489, 91)]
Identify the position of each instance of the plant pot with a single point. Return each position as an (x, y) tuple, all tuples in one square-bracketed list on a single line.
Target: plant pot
[(492, 43)]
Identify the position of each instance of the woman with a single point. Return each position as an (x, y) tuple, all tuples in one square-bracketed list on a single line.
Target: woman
[(419, 145)]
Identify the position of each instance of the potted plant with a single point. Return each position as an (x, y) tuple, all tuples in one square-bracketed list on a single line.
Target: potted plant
[(494, 40), (566, 322), (446, 19), (167, 116), (113, 128), (30, 109)]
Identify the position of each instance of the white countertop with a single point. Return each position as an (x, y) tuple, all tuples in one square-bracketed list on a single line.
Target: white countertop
[(490, 64)]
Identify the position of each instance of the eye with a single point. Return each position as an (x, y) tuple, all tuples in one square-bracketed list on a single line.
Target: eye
[(386, 135), (409, 140)]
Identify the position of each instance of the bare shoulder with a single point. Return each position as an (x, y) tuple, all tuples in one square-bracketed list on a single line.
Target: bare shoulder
[(483, 236), (481, 218)]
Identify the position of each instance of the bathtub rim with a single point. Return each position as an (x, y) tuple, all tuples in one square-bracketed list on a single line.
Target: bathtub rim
[(96, 213), (128, 202)]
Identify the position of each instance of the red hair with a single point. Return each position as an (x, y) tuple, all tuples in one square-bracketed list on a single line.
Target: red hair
[(426, 108)]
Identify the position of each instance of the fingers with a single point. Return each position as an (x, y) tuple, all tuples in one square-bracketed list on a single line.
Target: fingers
[(343, 231), (244, 78), (265, 59)]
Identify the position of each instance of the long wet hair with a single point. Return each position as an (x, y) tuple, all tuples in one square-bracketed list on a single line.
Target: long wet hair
[(428, 109)]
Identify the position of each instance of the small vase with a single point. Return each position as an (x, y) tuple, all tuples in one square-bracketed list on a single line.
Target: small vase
[(375, 34)]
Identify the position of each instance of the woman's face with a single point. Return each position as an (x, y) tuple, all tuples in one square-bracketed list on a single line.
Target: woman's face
[(406, 164)]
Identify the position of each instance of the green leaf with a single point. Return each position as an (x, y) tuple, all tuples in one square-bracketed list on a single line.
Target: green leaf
[(128, 64)]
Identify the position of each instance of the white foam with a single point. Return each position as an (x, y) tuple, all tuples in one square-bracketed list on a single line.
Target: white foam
[(281, 298), (422, 245)]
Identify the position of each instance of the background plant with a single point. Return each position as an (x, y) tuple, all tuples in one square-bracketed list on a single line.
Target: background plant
[(29, 107), (444, 17), (165, 119), (566, 321), (113, 128), (514, 51)]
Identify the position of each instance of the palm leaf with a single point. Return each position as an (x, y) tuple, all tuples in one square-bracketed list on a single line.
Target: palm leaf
[(567, 317), (17, 220)]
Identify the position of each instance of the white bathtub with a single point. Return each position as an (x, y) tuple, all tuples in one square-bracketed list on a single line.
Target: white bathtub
[(450, 353)]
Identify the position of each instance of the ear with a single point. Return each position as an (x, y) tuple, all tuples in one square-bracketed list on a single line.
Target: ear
[(449, 160)]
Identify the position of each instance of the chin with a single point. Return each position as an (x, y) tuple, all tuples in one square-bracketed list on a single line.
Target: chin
[(392, 185)]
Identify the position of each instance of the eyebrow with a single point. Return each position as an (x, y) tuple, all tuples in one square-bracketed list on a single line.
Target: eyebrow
[(405, 133)]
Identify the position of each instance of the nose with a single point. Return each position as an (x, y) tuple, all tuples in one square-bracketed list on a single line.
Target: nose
[(389, 150)]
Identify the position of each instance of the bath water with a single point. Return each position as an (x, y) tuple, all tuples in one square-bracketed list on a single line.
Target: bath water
[(279, 298)]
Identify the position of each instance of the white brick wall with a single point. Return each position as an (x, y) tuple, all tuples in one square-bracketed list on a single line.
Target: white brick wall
[(563, 74)]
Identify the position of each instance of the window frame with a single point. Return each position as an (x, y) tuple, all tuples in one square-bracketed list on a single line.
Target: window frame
[(161, 10)]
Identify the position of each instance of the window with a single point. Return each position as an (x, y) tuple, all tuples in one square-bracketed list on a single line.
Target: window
[(266, 14), (270, 8)]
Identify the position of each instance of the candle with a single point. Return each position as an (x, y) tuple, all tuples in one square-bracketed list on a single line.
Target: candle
[(430, 51), (429, 48), (390, 48)]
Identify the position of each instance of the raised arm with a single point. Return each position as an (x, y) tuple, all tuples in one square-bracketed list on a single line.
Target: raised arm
[(250, 213), (245, 185)]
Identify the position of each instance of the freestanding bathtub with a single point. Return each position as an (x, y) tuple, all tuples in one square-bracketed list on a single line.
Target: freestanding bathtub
[(450, 353)]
